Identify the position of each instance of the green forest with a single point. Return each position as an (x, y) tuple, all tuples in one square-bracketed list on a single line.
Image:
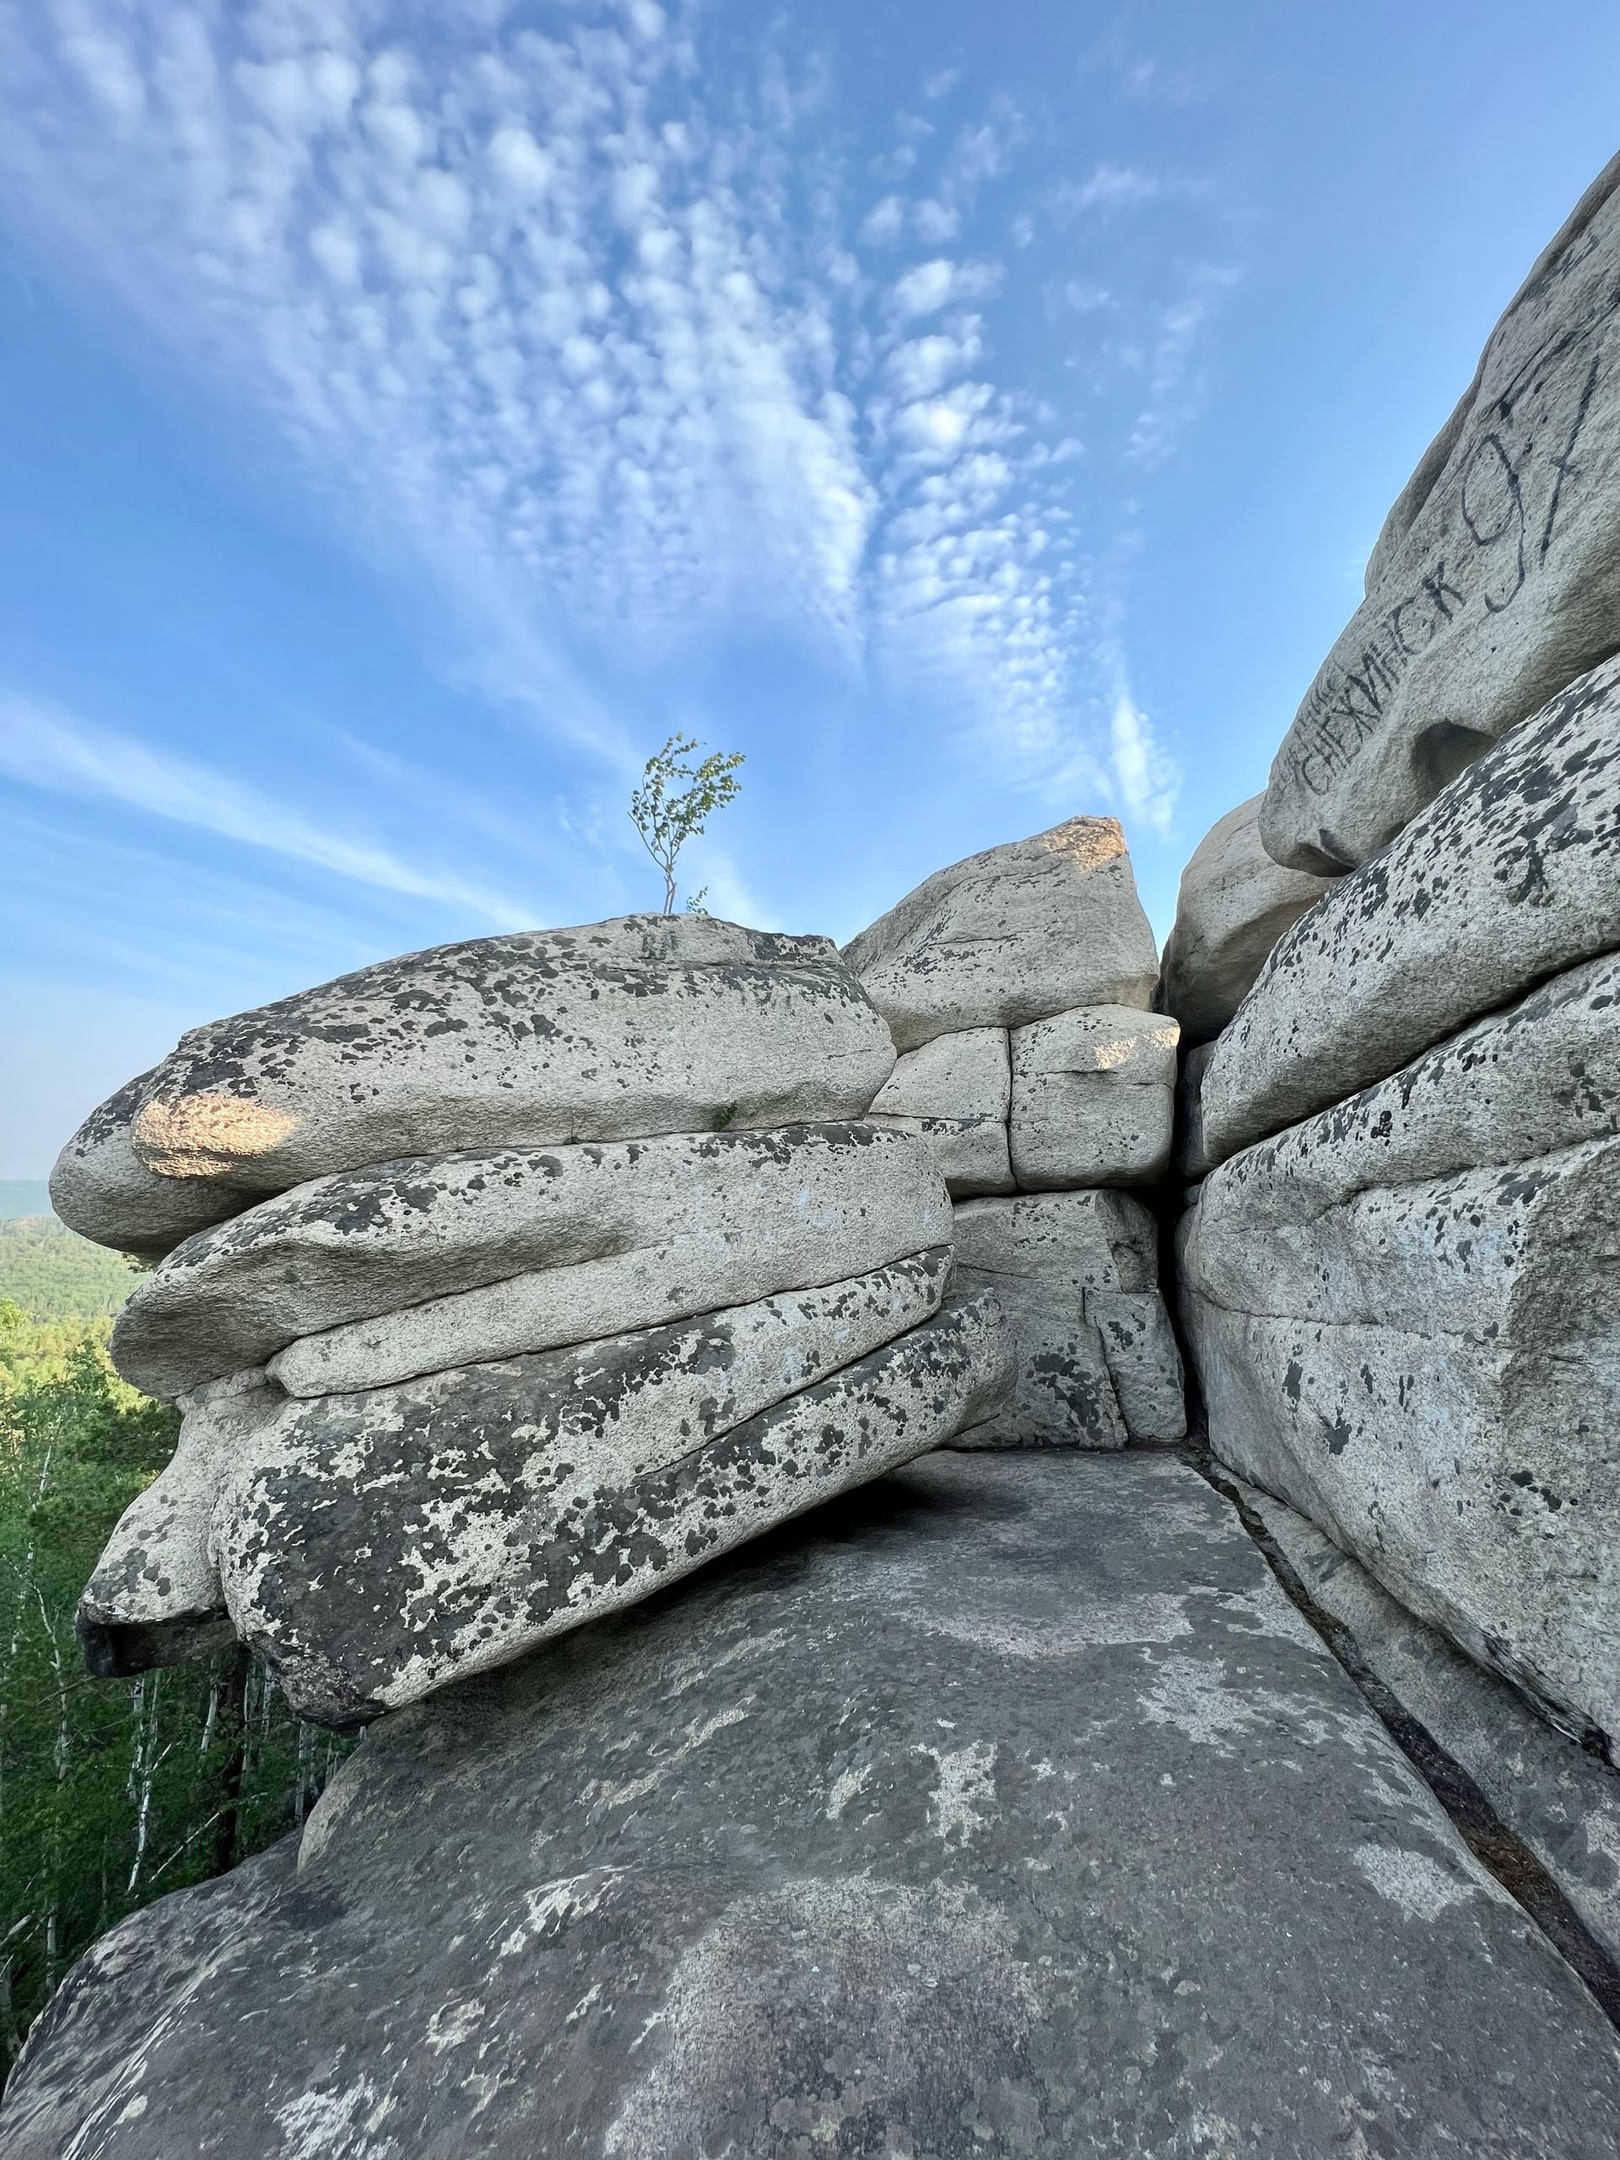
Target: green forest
[(111, 1791)]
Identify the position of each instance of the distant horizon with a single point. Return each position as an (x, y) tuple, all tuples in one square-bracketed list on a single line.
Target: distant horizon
[(410, 420)]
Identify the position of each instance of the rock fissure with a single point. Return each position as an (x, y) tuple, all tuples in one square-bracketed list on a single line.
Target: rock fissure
[(1488, 1837)]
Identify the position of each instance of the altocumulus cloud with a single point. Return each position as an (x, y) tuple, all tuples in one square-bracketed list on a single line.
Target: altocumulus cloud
[(604, 346)]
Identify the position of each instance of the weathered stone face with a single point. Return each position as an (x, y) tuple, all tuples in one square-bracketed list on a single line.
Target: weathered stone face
[(1012, 935), (1233, 906), (1006, 1810), (1496, 580), (953, 1092), (1077, 1276), (407, 1267), (1403, 1317), (372, 1546), (1093, 1099), (1554, 1794), (649, 1024), (1510, 876), (102, 1189)]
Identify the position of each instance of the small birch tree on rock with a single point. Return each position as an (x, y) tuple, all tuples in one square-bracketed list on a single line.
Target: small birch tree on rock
[(676, 799)]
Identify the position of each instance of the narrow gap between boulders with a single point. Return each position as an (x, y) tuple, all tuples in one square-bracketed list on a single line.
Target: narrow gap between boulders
[(1493, 1844)]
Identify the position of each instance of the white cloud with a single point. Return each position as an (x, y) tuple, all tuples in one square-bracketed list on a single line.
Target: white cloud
[(1147, 778), (929, 286), (577, 335), (49, 750), (884, 222), (1107, 187), (1175, 388)]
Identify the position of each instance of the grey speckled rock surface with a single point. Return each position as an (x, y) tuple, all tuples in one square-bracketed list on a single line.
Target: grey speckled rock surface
[(1012, 935), (1496, 580), (1403, 1316), (1093, 1099), (646, 1024), (1077, 1276), (953, 1092), (1190, 1156), (1510, 876), (1562, 1801), (1004, 1810), (102, 1189), (373, 1546), (1233, 906), (408, 1267)]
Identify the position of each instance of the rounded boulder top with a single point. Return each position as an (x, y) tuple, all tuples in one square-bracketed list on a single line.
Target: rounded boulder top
[(1014, 934), (640, 1025)]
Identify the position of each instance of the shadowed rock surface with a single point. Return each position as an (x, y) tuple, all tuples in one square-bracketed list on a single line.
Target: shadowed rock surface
[(1077, 1276), (373, 1546), (1233, 904), (1007, 1808)]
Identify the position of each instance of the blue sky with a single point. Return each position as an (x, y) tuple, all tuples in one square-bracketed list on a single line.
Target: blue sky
[(411, 413)]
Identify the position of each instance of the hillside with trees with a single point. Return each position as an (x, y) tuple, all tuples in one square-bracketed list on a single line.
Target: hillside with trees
[(111, 1792)]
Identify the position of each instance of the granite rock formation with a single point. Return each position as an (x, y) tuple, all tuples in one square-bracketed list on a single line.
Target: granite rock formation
[(1403, 1322), (1509, 875), (1396, 1275), (1006, 1809), (1004, 1805), (648, 1024), (955, 1092), (1233, 906), (440, 1407), (1496, 579), (1017, 984)]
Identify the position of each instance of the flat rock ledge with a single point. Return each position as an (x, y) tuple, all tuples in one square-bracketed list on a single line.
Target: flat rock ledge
[(1005, 1807)]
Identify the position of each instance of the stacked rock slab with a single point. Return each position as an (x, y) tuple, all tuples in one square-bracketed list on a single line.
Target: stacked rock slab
[(1017, 987), (443, 1405), (1496, 579), (1403, 1304)]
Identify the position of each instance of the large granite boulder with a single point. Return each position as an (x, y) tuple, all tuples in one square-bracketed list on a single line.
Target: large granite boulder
[(1093, 1099), (407, 1267), (1233, 906), (1496, 579), (953, 1092), (1012, 935), (372, 1546), (1403, 1317), (1077, 1275), (648, 1024), (1006, 1810), (1512, 874)]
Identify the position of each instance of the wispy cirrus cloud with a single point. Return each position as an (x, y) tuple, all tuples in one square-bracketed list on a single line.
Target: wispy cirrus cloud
[(50, 750)]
